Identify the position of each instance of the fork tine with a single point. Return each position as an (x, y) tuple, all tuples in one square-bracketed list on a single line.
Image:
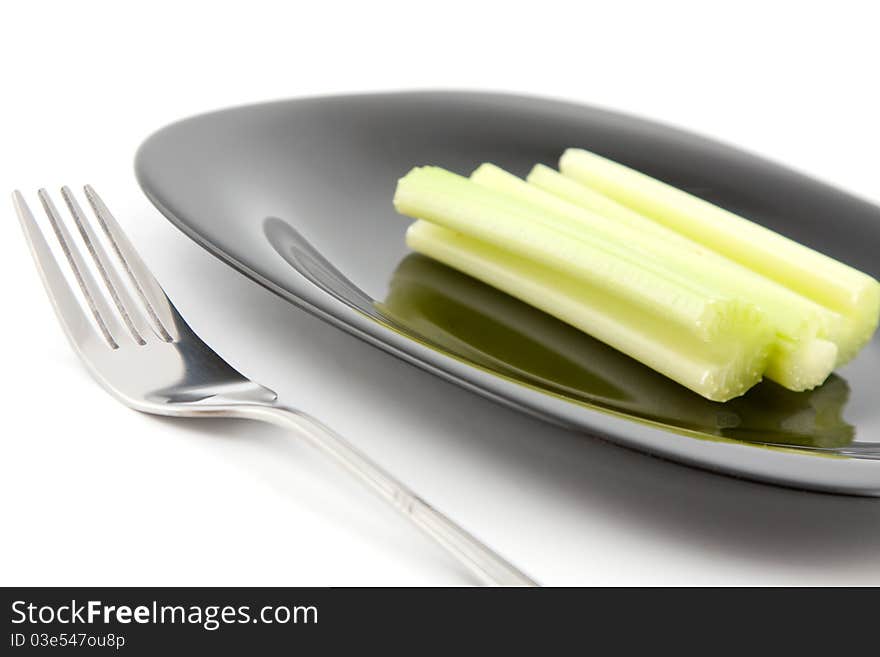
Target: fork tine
[(162, 313), (101, 311), (70, 312), (106, 269)]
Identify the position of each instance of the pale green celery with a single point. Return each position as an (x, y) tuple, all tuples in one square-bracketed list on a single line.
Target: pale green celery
[(553, 182), (833, 284), (848, 333), (452, 201), (718, 370), (797, 321), (798, 366)]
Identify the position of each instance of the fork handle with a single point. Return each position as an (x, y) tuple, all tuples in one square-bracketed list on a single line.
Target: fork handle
[(486, 564)]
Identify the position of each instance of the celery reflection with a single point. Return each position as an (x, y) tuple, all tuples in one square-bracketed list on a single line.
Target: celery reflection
[(494, 330)]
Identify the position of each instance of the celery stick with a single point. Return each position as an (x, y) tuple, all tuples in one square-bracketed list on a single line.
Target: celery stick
[(801, 366), (555, 183), (794, 318), (833, 284), (459, 204), (717, 370)]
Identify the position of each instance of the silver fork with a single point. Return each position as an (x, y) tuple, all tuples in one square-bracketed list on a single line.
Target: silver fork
[(139, 348)]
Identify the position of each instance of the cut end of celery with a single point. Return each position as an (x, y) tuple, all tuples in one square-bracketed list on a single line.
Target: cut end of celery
[(730, 318), (735, 379), (802, 366)]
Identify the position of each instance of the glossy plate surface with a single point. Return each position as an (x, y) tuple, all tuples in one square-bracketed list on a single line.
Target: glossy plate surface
[(297, 195)]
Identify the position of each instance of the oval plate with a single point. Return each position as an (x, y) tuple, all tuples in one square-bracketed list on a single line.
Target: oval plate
[(297, 195)]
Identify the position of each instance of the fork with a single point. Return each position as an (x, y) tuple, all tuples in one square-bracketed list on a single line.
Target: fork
[(138, 347)]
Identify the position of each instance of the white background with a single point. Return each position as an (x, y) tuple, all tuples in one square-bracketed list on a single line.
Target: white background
[(92, 493)]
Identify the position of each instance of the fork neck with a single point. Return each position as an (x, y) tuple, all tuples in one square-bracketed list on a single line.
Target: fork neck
[(226, 398)]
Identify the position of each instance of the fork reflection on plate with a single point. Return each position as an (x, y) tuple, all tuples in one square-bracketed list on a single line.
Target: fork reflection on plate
[(139, 348)]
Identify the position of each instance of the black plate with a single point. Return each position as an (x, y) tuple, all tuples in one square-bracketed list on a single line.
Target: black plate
[(297, 195)]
